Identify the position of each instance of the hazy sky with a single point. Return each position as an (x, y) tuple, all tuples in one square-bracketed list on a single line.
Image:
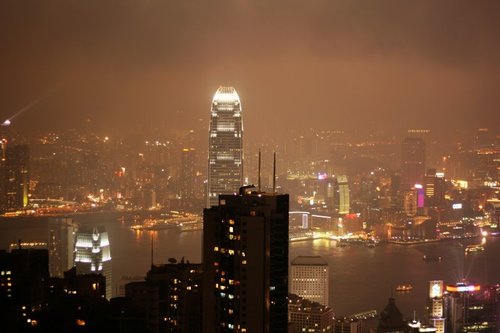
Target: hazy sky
[(309, 63)]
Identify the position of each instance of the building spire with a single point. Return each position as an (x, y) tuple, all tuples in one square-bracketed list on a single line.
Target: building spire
[(152, 252), (259, 170), (274, 173)]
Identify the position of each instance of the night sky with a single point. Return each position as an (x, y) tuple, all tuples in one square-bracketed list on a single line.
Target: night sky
[(386, 65)]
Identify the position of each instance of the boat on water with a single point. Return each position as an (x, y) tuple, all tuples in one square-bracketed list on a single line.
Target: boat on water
[(190, 226), (177, 221), (474, 248), (404, 288), (341, 243), (431, 258)]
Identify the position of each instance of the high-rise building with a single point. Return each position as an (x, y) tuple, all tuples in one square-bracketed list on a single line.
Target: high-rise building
[(225, 148), (23, 277), (179, 290), (469, 308), (412, 162), (436, 305), (93, 255), (435, 188), (307, 316), (61, 244), (410, 202), (170, 297), (146, 297), (343, 191), (309, 278), (188, 177), (348, 325), (14, 173), (245, 263)]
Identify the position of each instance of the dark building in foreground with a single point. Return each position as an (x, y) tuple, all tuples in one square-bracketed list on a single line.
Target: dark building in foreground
[(245, 263), (391, 319), (170, 297), (179, 288), (23, 278)]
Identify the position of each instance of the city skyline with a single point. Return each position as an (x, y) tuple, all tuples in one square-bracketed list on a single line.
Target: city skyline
[(384, 126)]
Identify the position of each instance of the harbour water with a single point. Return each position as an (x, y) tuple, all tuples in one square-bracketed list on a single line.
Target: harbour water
[(361, 278)]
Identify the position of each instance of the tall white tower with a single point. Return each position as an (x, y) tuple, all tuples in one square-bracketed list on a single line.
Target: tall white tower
[(225, 147), (93, 255)]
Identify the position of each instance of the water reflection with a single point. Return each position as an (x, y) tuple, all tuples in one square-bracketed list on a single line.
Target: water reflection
[(363, 278)]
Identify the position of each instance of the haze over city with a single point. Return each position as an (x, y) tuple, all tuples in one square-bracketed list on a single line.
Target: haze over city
[(386, 65)]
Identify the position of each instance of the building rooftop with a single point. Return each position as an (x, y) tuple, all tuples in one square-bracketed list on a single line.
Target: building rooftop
[(300, 304), (309, 261), (226, 95)]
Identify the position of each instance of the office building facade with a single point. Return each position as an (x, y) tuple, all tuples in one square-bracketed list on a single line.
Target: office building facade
[(14, 177), (187, 190), (225, 148), (245, 263), (307, 316), (309, 278), (61, 244), (436, 305)]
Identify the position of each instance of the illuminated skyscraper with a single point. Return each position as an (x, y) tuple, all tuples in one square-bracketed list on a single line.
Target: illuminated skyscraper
[(436, 305), (245, 263), (93, 255), (225, 148), (14, 173), (435, 188), (309, 278), (343, 191), (471, 308)]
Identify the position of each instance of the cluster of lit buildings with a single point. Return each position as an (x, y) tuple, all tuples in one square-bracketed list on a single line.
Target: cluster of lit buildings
[(461, 307), (243, 283)]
